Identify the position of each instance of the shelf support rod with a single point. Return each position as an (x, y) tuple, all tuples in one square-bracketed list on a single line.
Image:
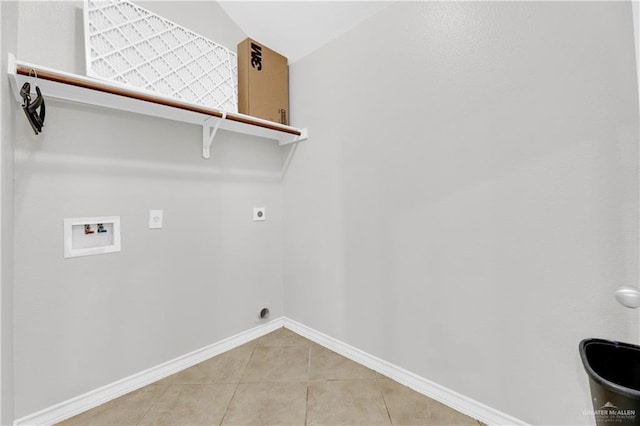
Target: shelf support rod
[(209, 132)]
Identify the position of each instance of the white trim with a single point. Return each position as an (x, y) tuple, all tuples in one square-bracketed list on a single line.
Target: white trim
[(91, 399), (446, 396), (635, 11), (3, 264)]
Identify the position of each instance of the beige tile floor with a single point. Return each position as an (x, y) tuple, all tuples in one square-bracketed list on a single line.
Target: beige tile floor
[(278, 379)]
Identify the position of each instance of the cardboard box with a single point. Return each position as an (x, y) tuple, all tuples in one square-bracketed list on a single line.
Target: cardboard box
[(263, 82)]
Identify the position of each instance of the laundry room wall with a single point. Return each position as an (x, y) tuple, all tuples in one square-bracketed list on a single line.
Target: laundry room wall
[(8, 43), (467, 202), (85, 322)]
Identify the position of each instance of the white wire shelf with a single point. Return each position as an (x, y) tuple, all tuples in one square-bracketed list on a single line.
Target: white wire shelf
[(91, 91)]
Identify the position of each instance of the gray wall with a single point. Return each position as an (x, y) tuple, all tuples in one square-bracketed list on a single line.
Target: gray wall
[(468, 200), (85, 322), (8, 43), (465, 207)]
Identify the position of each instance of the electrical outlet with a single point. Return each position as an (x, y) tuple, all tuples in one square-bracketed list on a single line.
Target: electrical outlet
[(259, 213), (155, 219)]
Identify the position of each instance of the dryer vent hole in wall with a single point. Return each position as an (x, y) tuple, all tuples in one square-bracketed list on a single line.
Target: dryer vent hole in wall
[(263, 313)]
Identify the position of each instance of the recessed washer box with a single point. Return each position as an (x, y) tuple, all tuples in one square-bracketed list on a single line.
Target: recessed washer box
[(85, 236)]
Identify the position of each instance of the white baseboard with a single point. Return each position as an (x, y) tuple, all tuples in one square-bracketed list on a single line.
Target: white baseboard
[(426, 387), (91, 399)]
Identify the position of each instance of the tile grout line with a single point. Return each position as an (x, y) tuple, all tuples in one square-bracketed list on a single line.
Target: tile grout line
[(384, 400), (226, 411), (306, 406), (306, 403), (153, 405)]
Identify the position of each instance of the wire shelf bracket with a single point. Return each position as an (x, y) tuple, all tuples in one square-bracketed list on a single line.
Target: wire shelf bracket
[(209, 129)]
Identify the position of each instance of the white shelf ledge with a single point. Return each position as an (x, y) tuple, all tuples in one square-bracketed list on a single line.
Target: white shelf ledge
[(91, 91)]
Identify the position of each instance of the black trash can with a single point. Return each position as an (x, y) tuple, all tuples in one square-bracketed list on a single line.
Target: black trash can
[(614, 379)]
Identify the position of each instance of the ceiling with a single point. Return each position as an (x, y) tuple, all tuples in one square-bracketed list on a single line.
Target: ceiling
[(297, 28)]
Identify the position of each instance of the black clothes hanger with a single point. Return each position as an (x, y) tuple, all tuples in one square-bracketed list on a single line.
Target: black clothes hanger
[(30, 108)]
